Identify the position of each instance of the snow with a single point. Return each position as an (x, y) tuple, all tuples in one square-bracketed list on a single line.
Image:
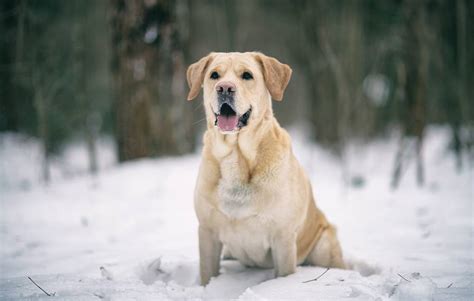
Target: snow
[(416, 288), (130, 232)]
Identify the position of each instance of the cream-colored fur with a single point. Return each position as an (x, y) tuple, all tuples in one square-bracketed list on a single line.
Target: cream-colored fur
[(251, 194)]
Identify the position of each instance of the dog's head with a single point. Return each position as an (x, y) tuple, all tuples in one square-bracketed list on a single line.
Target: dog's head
[(238, 87)]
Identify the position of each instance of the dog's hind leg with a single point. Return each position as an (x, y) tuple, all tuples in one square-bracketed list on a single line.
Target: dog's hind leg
[(327, 251)]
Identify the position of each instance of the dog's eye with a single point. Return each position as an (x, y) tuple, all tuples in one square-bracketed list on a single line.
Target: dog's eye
[(247, 75), (214, 75)]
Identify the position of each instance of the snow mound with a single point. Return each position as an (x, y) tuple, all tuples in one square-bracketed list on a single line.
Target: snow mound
[(415, 288)]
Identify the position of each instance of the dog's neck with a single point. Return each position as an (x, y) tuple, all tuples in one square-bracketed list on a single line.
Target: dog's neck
[(243, 160), (238, 155), (247, 141)]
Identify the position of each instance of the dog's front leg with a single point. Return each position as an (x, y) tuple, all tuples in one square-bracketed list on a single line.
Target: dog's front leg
[(284, 254), (209, 253)]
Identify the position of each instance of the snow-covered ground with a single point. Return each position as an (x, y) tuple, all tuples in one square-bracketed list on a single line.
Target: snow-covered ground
[(130, 232)]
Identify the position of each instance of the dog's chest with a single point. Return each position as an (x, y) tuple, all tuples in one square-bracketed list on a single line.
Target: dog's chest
[(236, 195), (236, 200), (244, 232)]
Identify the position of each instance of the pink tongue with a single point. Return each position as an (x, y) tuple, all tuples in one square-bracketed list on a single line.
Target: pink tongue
[(227, 123)]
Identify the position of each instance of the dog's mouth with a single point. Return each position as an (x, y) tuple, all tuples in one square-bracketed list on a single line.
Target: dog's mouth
[(227, 119)]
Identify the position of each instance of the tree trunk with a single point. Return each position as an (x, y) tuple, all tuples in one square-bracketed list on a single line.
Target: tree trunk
[(89, 120), (416, 58), (149, 68), (462, 103), (134, 67), (41, 111), (174, 120), (92, 130), (11, 28)]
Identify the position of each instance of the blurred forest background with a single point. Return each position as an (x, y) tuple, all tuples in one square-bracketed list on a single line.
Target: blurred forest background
[(81, 69)]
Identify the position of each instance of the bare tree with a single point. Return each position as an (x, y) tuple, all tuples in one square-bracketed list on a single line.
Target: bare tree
[(462, 95), (82, 63), (46, 81), (40, 70), (416, 59)]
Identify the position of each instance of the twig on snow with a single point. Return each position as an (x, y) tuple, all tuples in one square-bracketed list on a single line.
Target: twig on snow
[(99, 295), (47, 294), (106, 273), (450, 285), (393, 290), (403, 278), (315, 279)]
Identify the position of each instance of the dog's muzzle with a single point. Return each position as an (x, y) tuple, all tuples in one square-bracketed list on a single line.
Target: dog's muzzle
[(227, 120)]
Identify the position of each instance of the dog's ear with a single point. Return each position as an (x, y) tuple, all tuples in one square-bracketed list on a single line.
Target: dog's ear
[(195, 75), (276, 75)]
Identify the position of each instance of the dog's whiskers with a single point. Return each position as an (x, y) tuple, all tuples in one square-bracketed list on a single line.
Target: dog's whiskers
[(198, 106), (194, 123)]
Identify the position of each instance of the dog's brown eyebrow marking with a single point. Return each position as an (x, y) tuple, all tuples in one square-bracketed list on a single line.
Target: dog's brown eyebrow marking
[(242, 67), (218, 68)]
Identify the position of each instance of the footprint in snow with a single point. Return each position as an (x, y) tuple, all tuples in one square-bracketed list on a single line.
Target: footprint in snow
[(424, 221), (179, 270)]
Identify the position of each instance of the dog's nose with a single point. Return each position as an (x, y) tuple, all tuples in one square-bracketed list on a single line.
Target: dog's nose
[(225, 88)]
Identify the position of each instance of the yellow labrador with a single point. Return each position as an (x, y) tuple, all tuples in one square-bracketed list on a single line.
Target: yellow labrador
[(252, 197)]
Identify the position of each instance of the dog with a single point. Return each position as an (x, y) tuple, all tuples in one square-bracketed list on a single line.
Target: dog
[(252, 198)]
